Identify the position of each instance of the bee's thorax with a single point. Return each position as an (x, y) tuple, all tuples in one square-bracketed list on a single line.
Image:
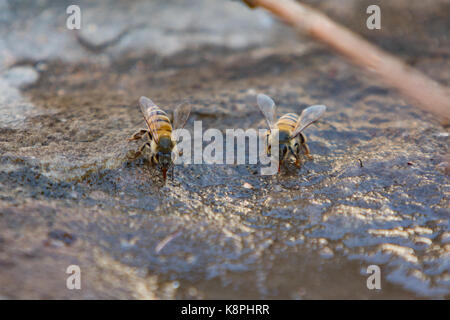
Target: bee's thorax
[(165, 144), (284, 136)]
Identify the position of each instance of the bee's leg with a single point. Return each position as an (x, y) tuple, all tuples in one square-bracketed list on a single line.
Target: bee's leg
[(140, 150), (297, 148), (306, 151), (153, 160), (176, 153), (268, 148), (305, 147), (297, 157), (173, 168), (138, 135)]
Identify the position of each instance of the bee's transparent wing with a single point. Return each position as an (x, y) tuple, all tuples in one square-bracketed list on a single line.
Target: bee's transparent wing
[(308, 116), (150, 111), (180, 117), (267, 107)]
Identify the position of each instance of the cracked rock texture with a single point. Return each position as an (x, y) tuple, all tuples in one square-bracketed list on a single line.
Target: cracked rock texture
[(376, 191)]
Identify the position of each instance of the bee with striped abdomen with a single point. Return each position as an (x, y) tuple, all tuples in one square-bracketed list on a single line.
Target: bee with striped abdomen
[(290, 126), (161, 140)]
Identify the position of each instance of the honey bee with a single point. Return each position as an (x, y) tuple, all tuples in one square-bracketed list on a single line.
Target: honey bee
[(161, 140), (290, 127)]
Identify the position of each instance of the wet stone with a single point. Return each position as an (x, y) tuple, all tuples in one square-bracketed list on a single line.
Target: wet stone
[(376, 192)]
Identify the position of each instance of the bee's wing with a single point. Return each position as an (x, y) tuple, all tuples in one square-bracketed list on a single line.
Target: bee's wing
[(180, 117), (267, 107), (308, 116), (150, 116)]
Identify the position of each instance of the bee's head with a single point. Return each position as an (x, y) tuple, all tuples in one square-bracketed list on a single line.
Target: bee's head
[(164, 154), (164, 161), (165, 144)]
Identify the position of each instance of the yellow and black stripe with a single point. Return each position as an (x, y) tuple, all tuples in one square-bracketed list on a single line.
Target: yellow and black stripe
[(159, 123), (287, 122)]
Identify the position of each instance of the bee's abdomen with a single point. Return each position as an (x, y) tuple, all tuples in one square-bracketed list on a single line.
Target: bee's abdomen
[(158, 116), (287, 122)]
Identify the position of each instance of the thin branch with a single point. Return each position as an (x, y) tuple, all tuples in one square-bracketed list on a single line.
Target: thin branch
[(422, 91)]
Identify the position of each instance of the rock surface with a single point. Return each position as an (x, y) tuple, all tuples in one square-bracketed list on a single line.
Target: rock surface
[(375, 193)]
